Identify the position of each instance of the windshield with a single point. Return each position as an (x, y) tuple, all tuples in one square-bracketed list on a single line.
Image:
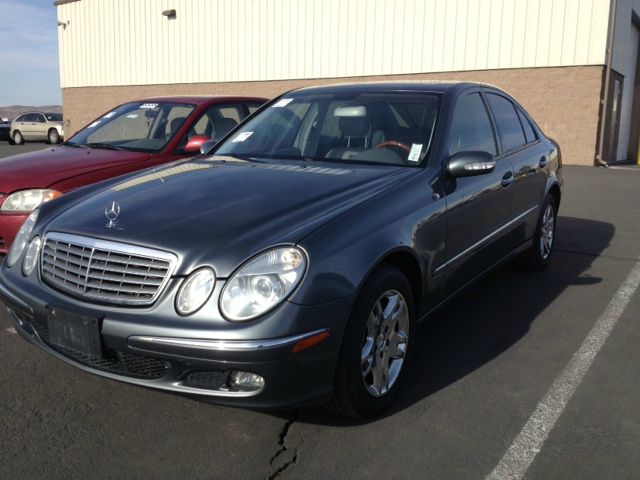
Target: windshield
[(54, 117), (374, 128), (136, 126)]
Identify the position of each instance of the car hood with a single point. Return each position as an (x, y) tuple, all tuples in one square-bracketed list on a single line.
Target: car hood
[(220, 212), (47, 167)]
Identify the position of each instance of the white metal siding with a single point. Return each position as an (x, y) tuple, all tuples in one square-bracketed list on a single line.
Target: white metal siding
[(129, 42)]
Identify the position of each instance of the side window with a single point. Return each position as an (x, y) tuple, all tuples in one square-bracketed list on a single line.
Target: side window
[(215, 123), (471, 128), (21, 118), (253, 107), (232, 112), (509, 128), (40, 118), (529, 132)]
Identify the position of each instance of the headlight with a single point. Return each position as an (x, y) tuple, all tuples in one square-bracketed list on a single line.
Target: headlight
[(195, 291), (31, 256), (27, 200), (262, 283), (20, 242)]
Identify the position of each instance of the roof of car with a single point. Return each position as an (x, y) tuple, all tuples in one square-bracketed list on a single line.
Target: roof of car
[(198, 99), (405, 85)]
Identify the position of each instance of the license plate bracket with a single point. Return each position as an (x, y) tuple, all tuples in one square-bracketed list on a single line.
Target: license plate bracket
[(70, 331)]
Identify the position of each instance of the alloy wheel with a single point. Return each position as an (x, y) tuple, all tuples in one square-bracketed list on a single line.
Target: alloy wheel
[(53, 136), (385, 341), (546, 232)]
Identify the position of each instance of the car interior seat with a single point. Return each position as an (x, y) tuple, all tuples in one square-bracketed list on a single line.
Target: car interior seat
[(355, 126)]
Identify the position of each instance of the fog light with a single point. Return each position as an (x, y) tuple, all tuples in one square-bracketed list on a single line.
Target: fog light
[(245, 381)]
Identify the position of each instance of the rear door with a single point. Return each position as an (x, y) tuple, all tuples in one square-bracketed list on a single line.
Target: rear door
[(41, 126), (529, 158), (478, 207)]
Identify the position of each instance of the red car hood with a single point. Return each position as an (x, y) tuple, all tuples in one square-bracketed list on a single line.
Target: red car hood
[(52, 165)]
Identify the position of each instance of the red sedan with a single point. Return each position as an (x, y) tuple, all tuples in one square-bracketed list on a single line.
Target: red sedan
[(133, 136)]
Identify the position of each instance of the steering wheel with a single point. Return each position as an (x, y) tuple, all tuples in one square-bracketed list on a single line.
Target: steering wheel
[(394, 143)]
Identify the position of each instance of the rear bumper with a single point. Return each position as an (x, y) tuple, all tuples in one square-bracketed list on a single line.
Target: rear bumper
[(197, 366), (9, 226)]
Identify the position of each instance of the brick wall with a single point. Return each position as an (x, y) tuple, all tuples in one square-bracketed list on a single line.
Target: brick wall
[(564, 101)]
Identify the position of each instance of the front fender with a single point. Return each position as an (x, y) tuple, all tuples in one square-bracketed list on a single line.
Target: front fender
[(343, 253)]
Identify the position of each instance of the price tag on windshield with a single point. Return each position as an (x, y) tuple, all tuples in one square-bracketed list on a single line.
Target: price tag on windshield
[(414, 153), (241, 137)]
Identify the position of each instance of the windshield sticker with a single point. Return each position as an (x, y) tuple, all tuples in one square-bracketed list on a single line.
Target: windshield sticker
[(132, 115), (94, 124), (241, 137), (109, 115), (282, 103), (148, 105), (414, 153)]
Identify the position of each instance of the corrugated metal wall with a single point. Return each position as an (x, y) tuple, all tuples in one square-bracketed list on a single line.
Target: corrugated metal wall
[(129, 42)]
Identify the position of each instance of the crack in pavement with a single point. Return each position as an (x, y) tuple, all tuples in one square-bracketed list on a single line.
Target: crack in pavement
[(285, 456)]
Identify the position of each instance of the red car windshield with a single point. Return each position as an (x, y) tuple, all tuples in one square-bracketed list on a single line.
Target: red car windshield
[(136, 126)]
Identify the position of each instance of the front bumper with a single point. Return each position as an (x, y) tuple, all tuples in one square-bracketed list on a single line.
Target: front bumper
[(9, 226), (194, 365)]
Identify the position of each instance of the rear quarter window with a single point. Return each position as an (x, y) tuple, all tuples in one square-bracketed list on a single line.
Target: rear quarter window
[(507, 121)]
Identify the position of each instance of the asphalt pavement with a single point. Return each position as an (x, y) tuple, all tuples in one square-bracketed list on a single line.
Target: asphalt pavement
[(7, 150), (528, 375)]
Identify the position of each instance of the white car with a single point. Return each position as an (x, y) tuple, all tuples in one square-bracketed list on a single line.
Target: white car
[(37, 126)]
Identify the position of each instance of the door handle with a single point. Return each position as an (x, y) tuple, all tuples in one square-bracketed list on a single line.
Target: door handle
[(544, 161), (507, 179)]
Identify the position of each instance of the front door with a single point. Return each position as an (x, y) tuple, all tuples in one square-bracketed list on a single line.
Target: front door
[(478, 207)]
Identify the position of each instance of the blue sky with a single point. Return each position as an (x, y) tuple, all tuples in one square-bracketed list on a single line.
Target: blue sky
[(29, 68)]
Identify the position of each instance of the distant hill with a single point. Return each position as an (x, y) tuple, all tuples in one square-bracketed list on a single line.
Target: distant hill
[(12, 111)]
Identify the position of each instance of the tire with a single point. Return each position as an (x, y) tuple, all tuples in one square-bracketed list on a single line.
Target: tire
[(371, 364), (538, 256), (53, 136), (10, 141), (18, 139)]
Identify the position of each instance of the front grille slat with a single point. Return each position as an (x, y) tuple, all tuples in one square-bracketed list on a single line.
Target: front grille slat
[(104, 271), (108, 277)]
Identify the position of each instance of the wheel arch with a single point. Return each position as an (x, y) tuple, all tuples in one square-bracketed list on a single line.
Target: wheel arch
[(554, 190), (409, 263)]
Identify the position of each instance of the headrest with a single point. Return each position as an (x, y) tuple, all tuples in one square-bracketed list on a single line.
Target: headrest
[(354, 126), (176, 123), (224, 125)]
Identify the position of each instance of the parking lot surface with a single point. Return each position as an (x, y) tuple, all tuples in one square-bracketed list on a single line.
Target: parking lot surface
[(7, 150), (532, 375)]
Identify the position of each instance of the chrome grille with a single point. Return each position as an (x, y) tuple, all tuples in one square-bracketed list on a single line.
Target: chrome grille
[(104, 271)]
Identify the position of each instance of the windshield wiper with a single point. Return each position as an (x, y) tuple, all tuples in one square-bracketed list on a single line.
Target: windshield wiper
[(106, 146)]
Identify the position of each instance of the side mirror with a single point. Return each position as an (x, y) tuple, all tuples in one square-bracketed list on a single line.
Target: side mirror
[(469, 164), (195, 143), (207, 146)]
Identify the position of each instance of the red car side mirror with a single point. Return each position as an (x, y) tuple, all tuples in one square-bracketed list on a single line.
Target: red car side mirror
[(195, 142)]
